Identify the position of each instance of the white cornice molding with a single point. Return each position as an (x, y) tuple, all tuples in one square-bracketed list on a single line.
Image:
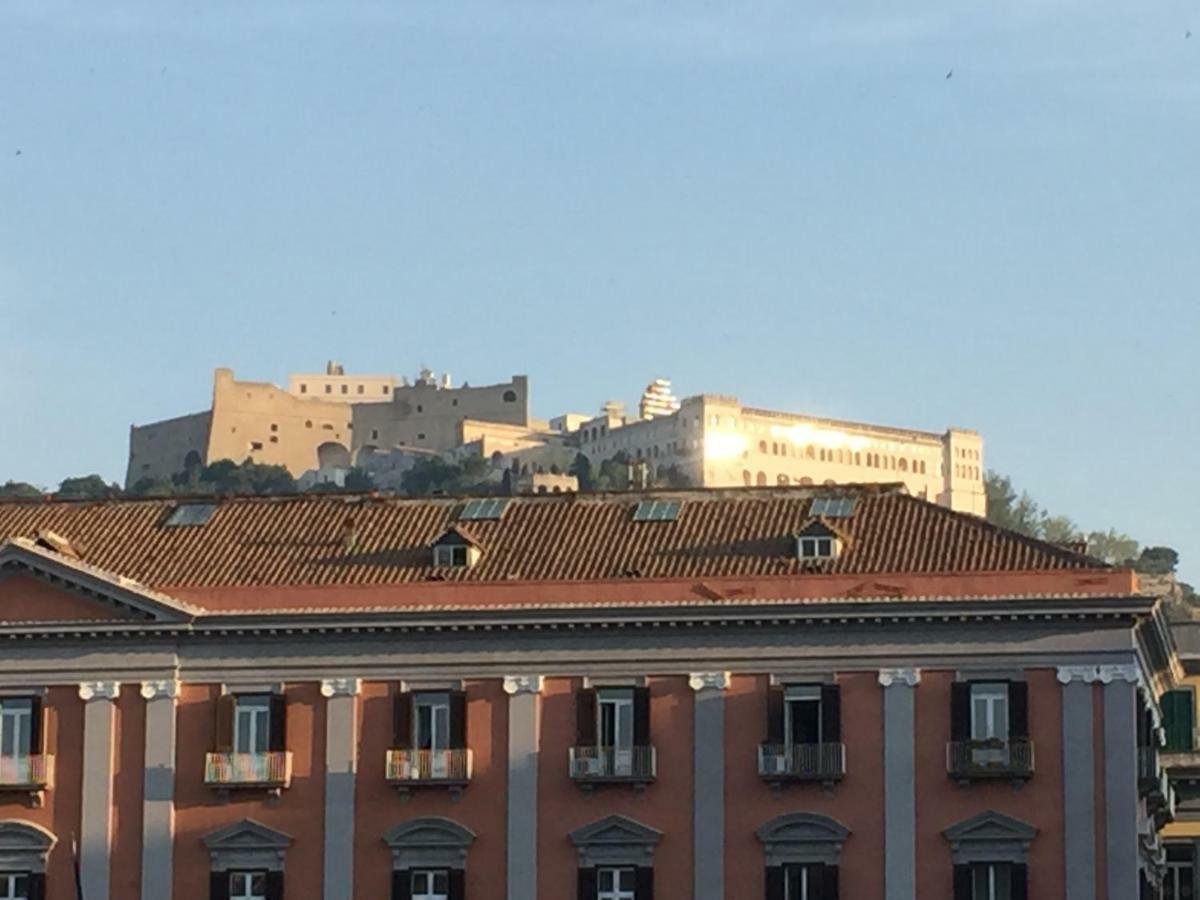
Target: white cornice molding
[(523, 684), (340, 687), (908, 677), (99, 690), (152, 690), (1128, 672), (708, 681), (1086, 674)]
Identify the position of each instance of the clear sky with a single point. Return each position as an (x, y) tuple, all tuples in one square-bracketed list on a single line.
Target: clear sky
[(943, 213)]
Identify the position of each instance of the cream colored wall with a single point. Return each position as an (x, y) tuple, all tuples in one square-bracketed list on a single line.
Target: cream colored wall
[(428, 417), (343, 388), (264, 423), (719, 443), (160, 449)]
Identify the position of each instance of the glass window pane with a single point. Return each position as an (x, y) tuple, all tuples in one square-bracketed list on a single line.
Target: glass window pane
[(258, 883), (441, 883), (628, 879), (1002, 874), (606, 879), (625, 726)]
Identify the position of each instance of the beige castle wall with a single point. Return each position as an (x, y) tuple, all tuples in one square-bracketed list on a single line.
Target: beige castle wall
[(161, 449), (264, 423), (718, 442), (430, 418)]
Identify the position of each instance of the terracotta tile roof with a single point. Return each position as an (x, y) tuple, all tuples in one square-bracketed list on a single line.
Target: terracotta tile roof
[(323, 539)]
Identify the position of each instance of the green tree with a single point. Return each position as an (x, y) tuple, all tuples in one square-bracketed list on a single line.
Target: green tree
[(152, 487), (19, 490), (1156, 561), (581, 468), (671, 477), (1009, 510), (359, 479), (613, 474), (1112, 546), (87, 487), (227, 477), (438, 476)]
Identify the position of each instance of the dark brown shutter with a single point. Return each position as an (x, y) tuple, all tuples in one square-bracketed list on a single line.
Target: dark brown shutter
[(401, 884), (641, 717), (831, 714), (218, 886), (274, 886), (960, 711), (1018, 711), (774, 715), (587, 884), (585, 718), (1020, 882), (775, 882), (458, 884), (962, 883), (458, 720), (223, 725), (645, 883), (278, 724), (830, 884), (402, 713), (37, 886), (35, 725)]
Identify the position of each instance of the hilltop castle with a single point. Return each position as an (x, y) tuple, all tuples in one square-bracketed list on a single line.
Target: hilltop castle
[(325, 423)]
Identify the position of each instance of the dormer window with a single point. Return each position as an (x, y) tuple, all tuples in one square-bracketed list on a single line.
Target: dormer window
[(817, 541), (456, 549)]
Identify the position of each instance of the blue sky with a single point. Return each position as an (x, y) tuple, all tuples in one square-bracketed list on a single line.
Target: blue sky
[(779, 200)]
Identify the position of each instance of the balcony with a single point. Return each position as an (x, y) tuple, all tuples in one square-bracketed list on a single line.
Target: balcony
[(31, 774), (1181, 755), (996, 758), (271, 770), (778, 763), (408, 769), (603, 765)]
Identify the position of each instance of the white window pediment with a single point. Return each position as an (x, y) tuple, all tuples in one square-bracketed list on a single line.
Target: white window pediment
[(616, 841), (24, 846), (990, 837), (247, 845)]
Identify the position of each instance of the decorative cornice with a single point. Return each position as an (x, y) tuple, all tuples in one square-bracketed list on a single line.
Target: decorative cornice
[(708, 681), (152, 690), (99, 690), (1088, 674), (909, 677), (523, 684), (1129, 673), (346, 687)]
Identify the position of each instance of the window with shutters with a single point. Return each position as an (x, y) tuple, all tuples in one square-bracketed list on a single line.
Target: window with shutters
[(1179, 721), (429, 859), (990, 853), (247, 861), (1179, 882), (250, 743), (613, 736), (616, 859), (14, 886), (802, 852), (25, 764), (803, 741), (989, 731), (430, 741)]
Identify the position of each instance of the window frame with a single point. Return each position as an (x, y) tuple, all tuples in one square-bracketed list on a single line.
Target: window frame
[(9, 883), (247, 876), (22, 720), (258, 707), (615, 891)]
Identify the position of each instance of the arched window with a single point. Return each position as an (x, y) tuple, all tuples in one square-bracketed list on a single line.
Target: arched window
[(802, 852), (510, 396), (762, 446), (761, 479), (747, 478), (783, 480), (903, 464), (429, 858), (809, 453)]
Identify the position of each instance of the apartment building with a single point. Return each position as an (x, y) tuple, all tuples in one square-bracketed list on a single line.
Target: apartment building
[(799, 693), (1179, 756)]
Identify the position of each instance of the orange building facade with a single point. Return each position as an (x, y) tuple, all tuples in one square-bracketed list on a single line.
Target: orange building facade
[(791, 694)]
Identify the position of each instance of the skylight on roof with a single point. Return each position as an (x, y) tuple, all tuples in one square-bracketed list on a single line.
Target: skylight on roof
[(657, 511), (190, 514), (833, 507), (483, 510)]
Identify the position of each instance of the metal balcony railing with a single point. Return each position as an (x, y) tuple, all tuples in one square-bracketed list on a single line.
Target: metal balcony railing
[(802, 762), (437, 766), (634, 764), (272, 769), (32, 772), (995, 758)]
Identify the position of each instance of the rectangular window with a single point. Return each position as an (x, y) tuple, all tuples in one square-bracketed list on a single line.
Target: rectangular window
[(252, 724), (247, 886), (802, 715), (16, 730), (991, 881), (989, 723), (616, 883), (329, 388), (430, 884), (614, 728), (431, 722), (14, 886), (1179, 882), (1179, 714), (803, 883), (451, 555), (816, 548), (304, 388)]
